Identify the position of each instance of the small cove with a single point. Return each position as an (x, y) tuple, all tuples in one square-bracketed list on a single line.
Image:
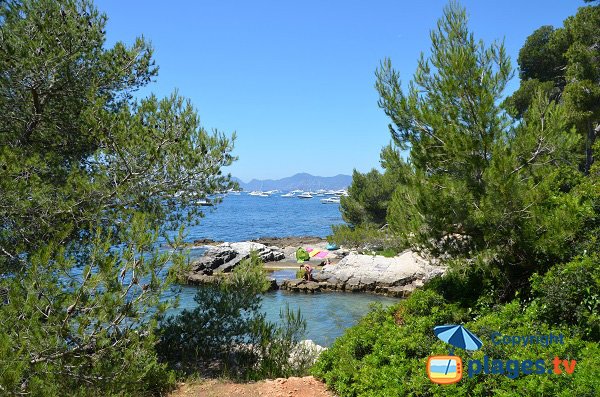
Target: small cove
[(239, 218), (327, 314)]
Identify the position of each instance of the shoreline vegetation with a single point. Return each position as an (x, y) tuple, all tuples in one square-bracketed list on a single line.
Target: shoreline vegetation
[(486, 214), (503, 190)]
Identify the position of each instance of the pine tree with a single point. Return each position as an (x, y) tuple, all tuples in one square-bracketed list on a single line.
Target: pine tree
[(478, 185), (90, 179), (449, 122), (564, 62)]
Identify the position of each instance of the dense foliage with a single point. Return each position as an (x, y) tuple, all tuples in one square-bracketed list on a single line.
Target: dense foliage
[(507, 194), (386, 353), (564, 63), (90, 179), (516, 195), (365, 208), (227, 332)]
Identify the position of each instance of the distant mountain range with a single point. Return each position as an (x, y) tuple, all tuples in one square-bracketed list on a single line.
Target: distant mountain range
[(301, 181)]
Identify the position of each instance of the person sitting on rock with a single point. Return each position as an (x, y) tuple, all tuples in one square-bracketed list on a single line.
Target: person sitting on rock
[(307, 272)]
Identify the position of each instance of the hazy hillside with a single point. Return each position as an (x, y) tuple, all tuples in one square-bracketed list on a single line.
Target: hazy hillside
[(302, 181)]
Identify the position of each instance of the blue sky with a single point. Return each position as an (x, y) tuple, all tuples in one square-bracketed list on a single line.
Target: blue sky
[(295, 79)]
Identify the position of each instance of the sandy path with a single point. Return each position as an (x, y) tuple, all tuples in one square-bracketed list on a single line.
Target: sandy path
[(300, 387)]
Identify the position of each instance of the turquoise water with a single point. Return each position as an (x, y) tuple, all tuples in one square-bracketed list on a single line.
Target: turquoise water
[(244, 217), (327, 314)]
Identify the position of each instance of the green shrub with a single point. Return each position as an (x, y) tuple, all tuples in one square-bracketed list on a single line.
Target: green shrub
[(366, 238), (570, 294), (385, 354), (227, 333), (388, 252), (371, 358), (471, 285)]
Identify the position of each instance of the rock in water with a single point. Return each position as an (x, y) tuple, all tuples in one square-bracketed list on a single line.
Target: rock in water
[(397, 276), (225, 257), (303, 286), (212, 259)]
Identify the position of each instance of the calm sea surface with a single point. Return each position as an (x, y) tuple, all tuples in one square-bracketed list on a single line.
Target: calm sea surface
[(244, 217)]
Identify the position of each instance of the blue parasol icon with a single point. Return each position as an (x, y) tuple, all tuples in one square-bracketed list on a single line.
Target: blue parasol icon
[(457, 336)]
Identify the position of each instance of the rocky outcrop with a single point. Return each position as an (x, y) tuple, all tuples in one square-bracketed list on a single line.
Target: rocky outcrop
[(302, 286), (397, 276), (225, 257), (305, 354)]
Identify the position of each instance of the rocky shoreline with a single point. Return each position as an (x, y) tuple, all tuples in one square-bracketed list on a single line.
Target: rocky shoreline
[(349, 271), (397, 276)]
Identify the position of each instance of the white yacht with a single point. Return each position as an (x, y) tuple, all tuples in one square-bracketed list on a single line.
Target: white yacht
[(206, 202), (305, 196), (330, 200), (290, 194)]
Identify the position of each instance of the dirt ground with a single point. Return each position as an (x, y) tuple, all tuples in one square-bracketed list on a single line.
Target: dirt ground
[(300, 387)]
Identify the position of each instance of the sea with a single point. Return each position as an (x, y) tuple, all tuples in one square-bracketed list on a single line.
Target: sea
[(244, 217)]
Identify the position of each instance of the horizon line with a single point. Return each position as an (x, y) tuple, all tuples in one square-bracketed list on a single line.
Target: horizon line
[(290, 176)]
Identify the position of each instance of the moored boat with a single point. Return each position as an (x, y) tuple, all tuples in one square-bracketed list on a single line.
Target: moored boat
[(330, 200)]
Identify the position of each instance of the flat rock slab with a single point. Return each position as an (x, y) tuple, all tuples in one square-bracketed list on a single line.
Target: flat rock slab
[(397, 276), (223, 258)]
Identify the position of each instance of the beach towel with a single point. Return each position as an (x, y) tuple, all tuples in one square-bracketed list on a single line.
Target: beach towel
[(322, 254), (313, 252)]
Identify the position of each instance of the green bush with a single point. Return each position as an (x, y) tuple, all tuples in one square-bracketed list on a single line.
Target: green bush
[(374, 357), (227, 334), (471, 284), (385, 354), (570, 294), (387, 252), (365, 238)]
